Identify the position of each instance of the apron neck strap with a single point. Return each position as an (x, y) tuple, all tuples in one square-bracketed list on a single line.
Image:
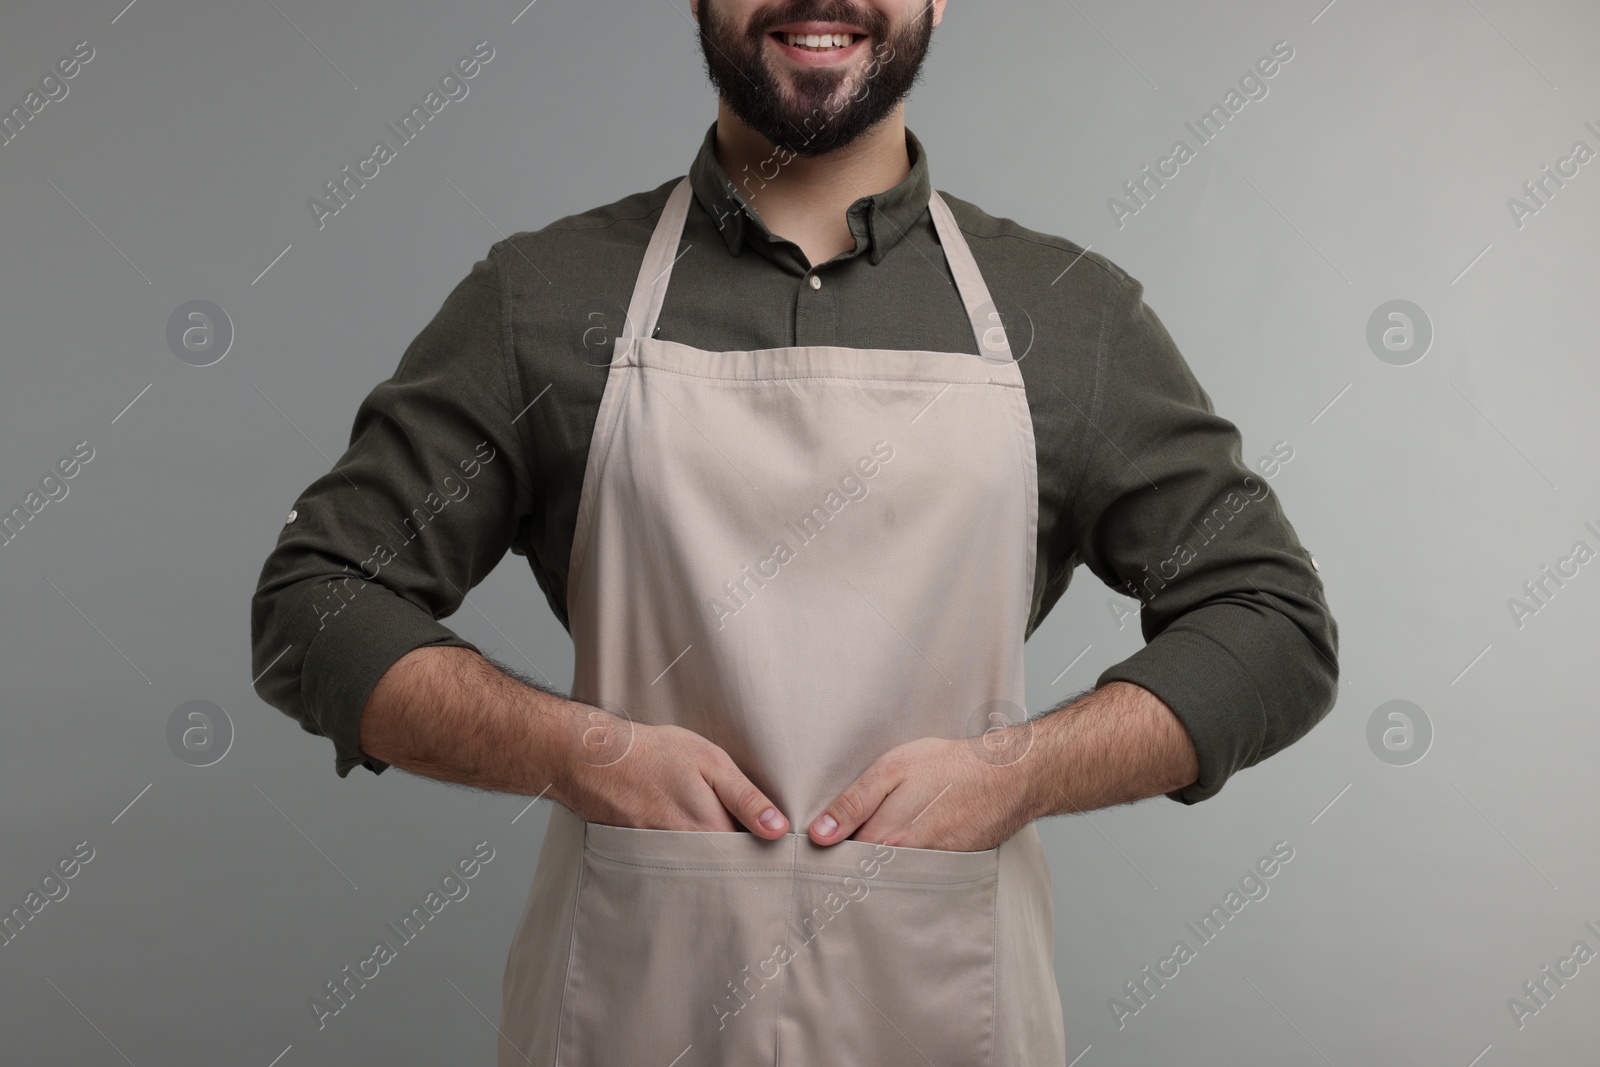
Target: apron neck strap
[(650, 290), (986, 328)]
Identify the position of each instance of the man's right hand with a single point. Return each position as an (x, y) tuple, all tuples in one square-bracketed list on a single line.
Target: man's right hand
[(448, 713), (624, 773)]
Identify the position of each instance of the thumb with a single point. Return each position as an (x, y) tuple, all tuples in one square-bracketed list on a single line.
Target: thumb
[(747, 803)]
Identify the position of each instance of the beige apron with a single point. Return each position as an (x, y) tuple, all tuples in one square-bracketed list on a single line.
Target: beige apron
[(807, 555)]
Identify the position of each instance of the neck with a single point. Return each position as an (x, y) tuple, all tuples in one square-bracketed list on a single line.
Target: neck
[(806, 200)]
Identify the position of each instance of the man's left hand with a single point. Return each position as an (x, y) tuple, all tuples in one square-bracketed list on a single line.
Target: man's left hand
[(933, 793)]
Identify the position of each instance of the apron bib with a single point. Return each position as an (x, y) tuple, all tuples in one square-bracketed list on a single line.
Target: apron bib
[(807, 555)]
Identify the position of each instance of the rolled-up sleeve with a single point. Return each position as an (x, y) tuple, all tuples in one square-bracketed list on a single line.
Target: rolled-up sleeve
[(422, 505), (1240, 642)]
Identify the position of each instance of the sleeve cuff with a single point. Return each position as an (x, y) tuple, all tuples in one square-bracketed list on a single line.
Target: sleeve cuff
[(1211, 694), (354, 648)]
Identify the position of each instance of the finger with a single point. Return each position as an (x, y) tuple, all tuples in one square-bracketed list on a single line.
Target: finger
[(747, 803), (697, 812), (854, 806)]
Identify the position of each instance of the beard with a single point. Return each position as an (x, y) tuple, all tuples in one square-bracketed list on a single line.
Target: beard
[(812, 111)]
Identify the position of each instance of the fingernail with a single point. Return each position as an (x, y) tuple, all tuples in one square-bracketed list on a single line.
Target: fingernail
[(825, 825), (771, 819)]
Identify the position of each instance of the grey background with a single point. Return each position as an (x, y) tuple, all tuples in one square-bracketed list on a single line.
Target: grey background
[(1419, 898)]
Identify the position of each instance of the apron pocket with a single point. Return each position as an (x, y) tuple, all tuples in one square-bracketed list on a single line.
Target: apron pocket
[(893, 956), (673, 948)]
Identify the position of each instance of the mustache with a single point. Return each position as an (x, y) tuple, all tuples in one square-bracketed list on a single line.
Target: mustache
[(873, 22)]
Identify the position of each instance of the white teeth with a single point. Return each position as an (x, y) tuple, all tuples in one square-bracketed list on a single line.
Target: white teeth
[(820, 41)]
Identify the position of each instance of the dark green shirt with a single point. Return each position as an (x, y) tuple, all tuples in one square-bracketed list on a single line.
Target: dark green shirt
[(478, 443)]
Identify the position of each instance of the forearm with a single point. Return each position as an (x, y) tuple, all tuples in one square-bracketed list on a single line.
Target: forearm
[(1117, 744), (448, 713)]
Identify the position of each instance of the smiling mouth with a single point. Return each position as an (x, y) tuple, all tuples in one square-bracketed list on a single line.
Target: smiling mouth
[(817, 42)]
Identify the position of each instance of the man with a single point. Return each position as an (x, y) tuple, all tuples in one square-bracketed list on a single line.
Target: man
[(800, 453)]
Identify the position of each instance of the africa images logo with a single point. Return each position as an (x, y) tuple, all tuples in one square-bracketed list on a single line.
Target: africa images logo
[(452, 87)]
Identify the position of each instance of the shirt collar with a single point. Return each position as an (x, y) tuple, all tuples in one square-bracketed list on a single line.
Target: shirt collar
[(879, 220)]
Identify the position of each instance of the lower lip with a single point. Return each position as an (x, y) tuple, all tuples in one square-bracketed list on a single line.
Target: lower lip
[(808, 58)]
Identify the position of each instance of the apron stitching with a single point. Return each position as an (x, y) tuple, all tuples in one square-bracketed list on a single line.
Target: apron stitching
[(1030, 490), (696, 870), (921, 885), (777, 1022), (667, 341), (584, 520), (829, 377), (994, 972), (572, 939), (792, 871)]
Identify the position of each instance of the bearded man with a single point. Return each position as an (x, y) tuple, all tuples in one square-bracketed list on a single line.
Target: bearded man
[(795, 808)]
